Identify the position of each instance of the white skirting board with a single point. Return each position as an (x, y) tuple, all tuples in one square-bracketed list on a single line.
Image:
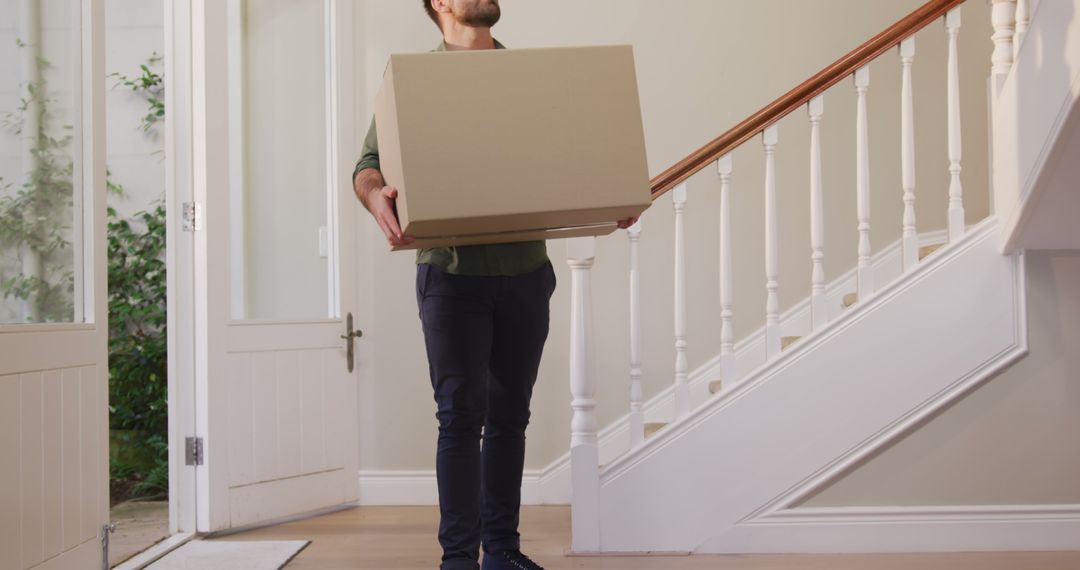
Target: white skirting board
[(419, 488), (905, 529)]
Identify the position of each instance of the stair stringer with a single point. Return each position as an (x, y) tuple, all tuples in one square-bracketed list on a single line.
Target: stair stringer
[(838, 396), (554, 487)]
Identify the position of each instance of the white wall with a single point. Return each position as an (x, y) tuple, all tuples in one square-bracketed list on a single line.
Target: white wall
[(703, 65), (1015, 440), (134, 33)]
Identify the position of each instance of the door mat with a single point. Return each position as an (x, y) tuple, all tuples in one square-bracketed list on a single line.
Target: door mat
[(231, 555)]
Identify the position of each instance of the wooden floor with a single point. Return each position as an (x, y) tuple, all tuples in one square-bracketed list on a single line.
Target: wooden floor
[(403, 538)]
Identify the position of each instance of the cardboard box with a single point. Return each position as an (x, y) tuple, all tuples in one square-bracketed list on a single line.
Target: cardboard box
[(499, 146)]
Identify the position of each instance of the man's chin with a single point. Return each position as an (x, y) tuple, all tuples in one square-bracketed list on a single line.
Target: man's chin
[(485, 19), (481, 22)]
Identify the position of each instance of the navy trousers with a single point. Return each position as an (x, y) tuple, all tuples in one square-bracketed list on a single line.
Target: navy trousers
[(484, 339)]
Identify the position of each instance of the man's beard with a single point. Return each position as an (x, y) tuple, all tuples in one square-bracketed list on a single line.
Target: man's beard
[(479, 14)]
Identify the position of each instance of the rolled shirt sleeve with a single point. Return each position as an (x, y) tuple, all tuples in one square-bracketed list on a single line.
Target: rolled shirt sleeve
[(369, 156)]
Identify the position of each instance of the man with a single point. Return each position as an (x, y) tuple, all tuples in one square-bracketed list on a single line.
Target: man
[(484, 311)]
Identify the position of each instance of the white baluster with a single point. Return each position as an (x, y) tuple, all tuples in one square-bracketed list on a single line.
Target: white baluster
[(1023, 22), (727, 330), (910, 235), (682, 369), (584, 450), (1003, 18), (864, 271), (819, 309), (956, 191), (770, 138), (637, 415)]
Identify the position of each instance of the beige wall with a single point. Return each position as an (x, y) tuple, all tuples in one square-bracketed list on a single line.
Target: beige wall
[(703, 66), (1015, 440)]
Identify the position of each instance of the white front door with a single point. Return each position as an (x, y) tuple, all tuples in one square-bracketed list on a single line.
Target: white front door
[(53, 330), (274, 259)]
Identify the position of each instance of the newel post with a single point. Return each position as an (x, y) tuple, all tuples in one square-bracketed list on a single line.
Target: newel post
[(584, 448)]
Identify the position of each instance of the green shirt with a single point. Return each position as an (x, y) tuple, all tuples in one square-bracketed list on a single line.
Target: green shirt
[(487, 260)]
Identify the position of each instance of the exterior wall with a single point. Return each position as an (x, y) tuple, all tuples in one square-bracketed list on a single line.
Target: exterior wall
[(136, 159), (703, 65), (1016, 440)]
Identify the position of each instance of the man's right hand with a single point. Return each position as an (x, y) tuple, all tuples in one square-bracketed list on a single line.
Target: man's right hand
[(382, 204)]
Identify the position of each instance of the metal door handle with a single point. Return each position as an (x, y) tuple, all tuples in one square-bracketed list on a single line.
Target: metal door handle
[(350, 336)]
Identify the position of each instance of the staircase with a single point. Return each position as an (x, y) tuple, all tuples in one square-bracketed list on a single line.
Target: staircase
[(746, 444)]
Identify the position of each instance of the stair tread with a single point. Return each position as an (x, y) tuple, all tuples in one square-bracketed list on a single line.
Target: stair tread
[(926, 250), (716, 386), (652, 427), (788, 341)]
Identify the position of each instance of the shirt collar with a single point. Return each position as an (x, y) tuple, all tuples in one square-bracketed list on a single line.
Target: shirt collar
[(442, 46)]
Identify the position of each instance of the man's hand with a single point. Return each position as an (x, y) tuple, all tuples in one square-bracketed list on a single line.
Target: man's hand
[(383, 208), (624, 224), (380, 200)]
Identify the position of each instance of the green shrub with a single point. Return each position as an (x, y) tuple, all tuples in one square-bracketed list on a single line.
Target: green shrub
[(138, 351), (138, 348)]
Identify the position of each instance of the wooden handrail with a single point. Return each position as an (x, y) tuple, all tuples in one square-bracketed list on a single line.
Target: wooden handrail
[(799, 96)]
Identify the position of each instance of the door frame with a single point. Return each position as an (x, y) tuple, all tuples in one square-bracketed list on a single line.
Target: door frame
[(180, 264)]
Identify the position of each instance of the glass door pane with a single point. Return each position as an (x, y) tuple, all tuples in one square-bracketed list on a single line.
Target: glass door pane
[(40, 197), (278, 160)]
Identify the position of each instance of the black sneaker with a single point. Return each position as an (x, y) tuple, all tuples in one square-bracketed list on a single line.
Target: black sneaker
[(508, 560)]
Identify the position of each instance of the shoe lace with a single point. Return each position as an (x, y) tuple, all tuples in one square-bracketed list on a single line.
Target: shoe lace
[(519, 560)]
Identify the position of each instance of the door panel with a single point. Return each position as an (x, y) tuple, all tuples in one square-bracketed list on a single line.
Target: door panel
[(283, 410), (52, 498), (53, 354), (52, 416), (275, 262), (288, 413)]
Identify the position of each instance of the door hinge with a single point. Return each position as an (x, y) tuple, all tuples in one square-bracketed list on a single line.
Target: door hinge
[(193, 217), (193, 451)]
